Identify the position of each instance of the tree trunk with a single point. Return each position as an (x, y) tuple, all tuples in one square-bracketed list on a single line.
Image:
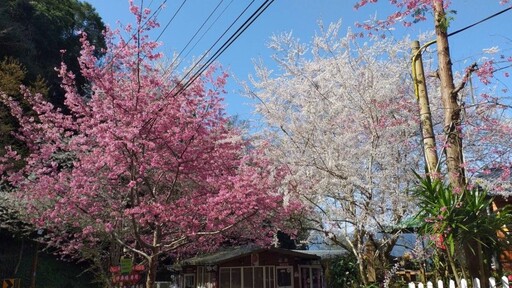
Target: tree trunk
[(153, 259), (427, 130), (152, 268), (20, 257), (452, 110), (453, 267), (362, 271)]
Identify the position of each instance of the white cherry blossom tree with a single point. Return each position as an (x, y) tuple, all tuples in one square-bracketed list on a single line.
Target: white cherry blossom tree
[(342, 117)]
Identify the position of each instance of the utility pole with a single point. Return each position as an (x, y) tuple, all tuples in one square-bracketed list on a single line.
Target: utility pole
[(449, 98), (427, 130)]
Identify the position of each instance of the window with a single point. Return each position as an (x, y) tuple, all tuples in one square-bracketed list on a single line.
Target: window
[(236, 278), (189, 281), (248, 274), (200, 277), (269, 277), (247, 277), (225, 278), (310, 276), (284, 277), (204, 277), (258, 277)]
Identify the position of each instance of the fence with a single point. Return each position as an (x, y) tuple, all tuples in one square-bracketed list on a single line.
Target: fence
[(493, 283)]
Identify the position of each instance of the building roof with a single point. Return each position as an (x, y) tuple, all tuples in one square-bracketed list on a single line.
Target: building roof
[(236, 252), (324, 254)]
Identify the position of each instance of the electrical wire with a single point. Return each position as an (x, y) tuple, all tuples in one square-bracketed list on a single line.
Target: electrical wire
[(223, 48), (170, 21), (483, 20), (153, 15), (195, 34), (217, 41), (423, 47), (219, 52), (417, 54), (207, 30), (230, 41)]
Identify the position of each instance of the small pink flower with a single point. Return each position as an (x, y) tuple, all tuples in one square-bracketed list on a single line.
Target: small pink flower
[(485, 72), (457, 191), (131, 184)]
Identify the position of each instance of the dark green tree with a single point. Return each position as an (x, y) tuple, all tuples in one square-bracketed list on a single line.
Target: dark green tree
[(32, 35), (35, 32)]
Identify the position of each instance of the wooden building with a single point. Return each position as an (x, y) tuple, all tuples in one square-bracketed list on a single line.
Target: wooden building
[(252, 267), (505, 257)]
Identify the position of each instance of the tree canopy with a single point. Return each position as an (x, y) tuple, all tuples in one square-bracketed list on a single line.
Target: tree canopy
[(341, 118), (142, 163), (35, 33)]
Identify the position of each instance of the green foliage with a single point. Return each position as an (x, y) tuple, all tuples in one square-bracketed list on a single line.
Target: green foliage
[(445, 20), (16, 259), (12, 75), (460, 223), (34, 32), (342, 272)]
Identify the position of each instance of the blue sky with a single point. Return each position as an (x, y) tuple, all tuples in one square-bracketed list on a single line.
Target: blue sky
[(301, 17)]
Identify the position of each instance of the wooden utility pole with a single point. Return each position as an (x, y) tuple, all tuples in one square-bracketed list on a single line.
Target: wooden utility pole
[(449, 98), (427, 130)]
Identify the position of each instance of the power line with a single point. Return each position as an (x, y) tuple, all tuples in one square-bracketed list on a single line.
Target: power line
[(195, 34), (170, 21), (139, 29), (223, 48), (202, 25), (255, 15), (209, 27), (230, 41), (217, 41), (424, 46), (483, 20)]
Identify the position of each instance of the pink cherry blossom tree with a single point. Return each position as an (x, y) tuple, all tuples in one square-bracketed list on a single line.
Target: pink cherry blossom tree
[(140, 162)]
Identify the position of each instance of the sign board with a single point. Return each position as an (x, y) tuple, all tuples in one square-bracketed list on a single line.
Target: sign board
[(127, 275), (138, 268), (11, 283), (126, 265)]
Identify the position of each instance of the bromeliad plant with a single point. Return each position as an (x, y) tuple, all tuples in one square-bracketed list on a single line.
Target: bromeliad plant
[(462, 224)]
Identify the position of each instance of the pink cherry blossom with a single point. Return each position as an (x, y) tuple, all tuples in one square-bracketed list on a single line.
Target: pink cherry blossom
[(140, 163)]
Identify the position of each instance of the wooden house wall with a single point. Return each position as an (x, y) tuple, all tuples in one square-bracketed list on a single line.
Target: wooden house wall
[(505, 258), (262, 258)]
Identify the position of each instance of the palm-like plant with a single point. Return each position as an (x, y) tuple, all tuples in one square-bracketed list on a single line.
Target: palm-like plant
[(462, 220)]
